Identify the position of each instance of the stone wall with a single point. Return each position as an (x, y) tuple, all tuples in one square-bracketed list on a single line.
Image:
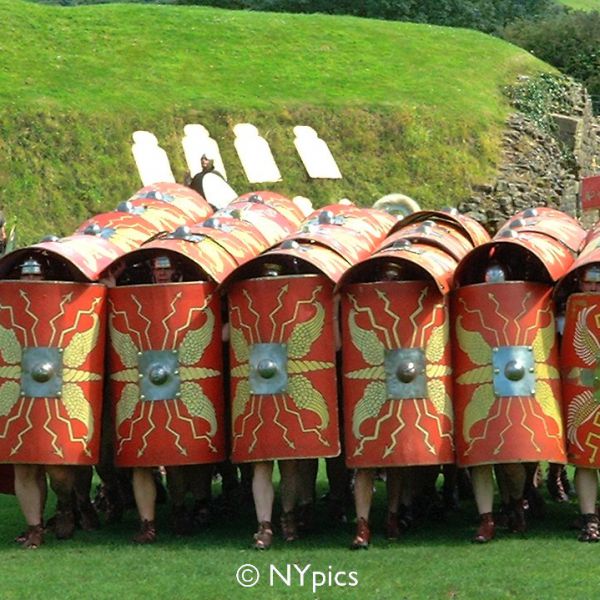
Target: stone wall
[(541, 168)]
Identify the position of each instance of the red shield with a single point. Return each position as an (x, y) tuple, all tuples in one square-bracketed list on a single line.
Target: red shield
[(188, 200), (580, 354), (506, 378), (51, 372), (397, 375), (166, 374), (283, 384)]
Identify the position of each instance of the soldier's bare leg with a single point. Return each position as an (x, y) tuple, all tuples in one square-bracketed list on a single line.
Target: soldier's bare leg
[(31, 491), (483, 489), (288, 470), (586, 485), (62, 482), (264, 494), (363, 496), (144, 491)]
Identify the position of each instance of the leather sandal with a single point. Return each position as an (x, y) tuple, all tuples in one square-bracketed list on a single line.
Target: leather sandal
[(288, 526), (147, 533), (363, 535), (33, 537), (486, 531), (590, 531), (263, 538)]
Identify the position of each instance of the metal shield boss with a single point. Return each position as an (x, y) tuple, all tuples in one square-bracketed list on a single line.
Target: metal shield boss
[(51, 372), (507, 390), (283, 380), (396, 375), (580, 362), (166, 374)]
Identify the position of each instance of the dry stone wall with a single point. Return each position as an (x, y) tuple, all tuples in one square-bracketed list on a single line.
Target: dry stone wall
[(541, 168)]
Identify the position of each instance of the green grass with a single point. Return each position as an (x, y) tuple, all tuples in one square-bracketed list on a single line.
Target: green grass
[(404, 107), (432, 561), (582, 4)]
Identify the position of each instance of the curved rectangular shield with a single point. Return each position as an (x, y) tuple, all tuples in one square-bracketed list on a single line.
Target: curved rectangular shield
[(166, 374), (507, 391), (397, 375), (283, 381), (51, 372), (580, 363)]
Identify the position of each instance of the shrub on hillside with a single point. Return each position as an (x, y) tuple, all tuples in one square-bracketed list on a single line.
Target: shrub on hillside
[(485, 15), (570, 42)]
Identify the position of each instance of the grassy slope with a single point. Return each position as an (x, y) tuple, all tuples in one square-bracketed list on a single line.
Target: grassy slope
[(405, 107), (582, 4)]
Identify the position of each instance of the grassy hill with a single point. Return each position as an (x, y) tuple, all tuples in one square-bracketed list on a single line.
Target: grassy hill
[(582, 4), (404, 107)]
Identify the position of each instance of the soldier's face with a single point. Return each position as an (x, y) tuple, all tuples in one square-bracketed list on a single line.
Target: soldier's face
[(163, 275), (589, 286)]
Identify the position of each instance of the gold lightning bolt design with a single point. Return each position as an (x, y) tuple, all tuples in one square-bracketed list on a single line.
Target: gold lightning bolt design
[(57, 450), (369, 438), (393, 437), (151, 428), (314, 430), (283, 428), (394, 316), (192, 425), (27, 311), (282, 292), (72, 438), (174, 433)]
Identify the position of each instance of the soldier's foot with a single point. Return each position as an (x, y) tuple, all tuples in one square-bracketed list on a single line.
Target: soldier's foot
[(263, 538), (147, 533), (590, 530), (33, 537), (288, 526), (486, 530), (363, 535)]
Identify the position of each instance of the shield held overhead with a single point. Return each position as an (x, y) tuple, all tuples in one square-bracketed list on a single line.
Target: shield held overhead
[(166, 374)]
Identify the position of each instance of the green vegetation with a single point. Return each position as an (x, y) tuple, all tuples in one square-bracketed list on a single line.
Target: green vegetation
[(582, 4), (569, 42), (404, 107)]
